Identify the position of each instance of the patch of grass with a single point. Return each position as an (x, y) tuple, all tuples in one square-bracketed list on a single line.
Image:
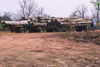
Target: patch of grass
[(66, 34)]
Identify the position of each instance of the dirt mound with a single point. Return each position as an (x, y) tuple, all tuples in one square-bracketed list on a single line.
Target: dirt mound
[(91, 36)]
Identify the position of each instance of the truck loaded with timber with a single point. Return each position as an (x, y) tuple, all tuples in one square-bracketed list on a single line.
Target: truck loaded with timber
[(43, 24)]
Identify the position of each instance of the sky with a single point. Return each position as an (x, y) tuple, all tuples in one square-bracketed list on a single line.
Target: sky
[(57, 8)]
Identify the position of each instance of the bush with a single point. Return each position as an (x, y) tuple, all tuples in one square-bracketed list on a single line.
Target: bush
[(1, 25)]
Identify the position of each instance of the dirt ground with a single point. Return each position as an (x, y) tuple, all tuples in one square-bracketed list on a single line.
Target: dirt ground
[(46, 50)]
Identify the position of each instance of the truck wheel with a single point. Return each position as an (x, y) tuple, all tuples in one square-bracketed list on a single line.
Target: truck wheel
[(22, 30), (44, 30), (41, 29), (26, 30)]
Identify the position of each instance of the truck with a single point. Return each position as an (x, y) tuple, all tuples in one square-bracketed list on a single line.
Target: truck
[(44, 24)]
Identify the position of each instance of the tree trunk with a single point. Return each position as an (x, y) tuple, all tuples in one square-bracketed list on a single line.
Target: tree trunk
[(98, 14)]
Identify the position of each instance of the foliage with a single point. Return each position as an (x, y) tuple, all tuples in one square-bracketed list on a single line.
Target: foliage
[(1, 25), (96, 4), (74, 14), (6, 16)]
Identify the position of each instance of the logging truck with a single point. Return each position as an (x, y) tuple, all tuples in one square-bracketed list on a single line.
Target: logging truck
[(43, 24)]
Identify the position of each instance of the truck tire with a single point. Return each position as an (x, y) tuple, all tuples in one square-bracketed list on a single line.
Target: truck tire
[(21, 30), (40, 29), (26, 30), (44, 30)]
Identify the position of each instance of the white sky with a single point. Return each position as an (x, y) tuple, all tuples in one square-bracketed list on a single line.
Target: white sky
[(58, 8)]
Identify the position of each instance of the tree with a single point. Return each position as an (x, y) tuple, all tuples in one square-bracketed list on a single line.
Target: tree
[(96, 4), (80, 11), (27, 7), (16, 16), (0, 13), (94, 14), (46, 15), (6, 16), (40, 13), (74, 14)]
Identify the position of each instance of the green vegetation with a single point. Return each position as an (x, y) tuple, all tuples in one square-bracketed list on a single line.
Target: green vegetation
[(96, 4), (1, 26)]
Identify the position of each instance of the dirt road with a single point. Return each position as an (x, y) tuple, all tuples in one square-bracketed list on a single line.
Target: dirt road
[(46, 50)]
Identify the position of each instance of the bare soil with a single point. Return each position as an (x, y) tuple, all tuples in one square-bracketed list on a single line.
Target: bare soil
[(90, 36), (46, 50)]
